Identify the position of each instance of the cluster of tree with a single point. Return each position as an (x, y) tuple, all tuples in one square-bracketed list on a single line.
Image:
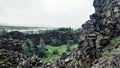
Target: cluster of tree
[(69, 44), (3, 32), (36, 43), (54, 37), (57, 36), (30, 50)]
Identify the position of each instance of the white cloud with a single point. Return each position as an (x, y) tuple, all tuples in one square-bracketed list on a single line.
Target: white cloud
[(45, 13)]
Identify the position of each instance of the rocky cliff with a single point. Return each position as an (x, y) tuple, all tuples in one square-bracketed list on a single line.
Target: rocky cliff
[(103, 25)]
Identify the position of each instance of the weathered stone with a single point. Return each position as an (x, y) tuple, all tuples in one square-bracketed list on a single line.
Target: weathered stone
[(116, 9), (25, 64), (108, 14), (67, 60), (35, 60), (97, 3)]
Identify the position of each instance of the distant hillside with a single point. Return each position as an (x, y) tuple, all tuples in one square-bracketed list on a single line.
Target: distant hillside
[(22, 27)]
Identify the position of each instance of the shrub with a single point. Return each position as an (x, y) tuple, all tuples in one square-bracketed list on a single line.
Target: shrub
[(69, 44), (27, 50), (55, 51), (41, 50), (55, 42), (3, 32)]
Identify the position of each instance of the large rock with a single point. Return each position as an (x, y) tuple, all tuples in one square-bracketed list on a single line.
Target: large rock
[(111, 60), (9, 58), (11, 44)]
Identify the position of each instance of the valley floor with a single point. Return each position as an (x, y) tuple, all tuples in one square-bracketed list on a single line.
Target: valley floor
[(60, 49)]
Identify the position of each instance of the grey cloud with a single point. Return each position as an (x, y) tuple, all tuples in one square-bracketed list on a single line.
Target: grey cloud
[(45, 13)]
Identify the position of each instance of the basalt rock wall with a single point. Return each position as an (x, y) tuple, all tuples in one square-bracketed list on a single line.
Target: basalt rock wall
[(103, 25), (106, 19)]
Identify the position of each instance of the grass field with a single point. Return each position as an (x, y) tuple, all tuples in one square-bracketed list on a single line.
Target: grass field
[(61, 49)]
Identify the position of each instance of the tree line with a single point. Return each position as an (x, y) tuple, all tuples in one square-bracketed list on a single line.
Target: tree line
[(35, 43), (54, 37)]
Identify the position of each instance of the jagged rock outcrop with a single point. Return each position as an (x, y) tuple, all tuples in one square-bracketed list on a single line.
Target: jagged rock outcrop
[(11, 44), (106, 20), (97, 33), (11, 55), (111, 60), (12, 59)]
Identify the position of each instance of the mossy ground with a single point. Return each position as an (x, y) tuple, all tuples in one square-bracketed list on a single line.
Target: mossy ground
[(111, 46), (61, 49)]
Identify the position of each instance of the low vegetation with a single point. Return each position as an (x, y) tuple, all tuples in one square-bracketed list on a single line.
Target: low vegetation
[(54, 52), (49, 44), (110, 47)]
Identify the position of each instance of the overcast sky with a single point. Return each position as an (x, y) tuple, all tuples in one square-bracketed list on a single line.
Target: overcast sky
[(45, 13)]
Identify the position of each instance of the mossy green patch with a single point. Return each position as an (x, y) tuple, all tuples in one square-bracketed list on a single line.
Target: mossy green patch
[(111, 46), (61, 49)]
